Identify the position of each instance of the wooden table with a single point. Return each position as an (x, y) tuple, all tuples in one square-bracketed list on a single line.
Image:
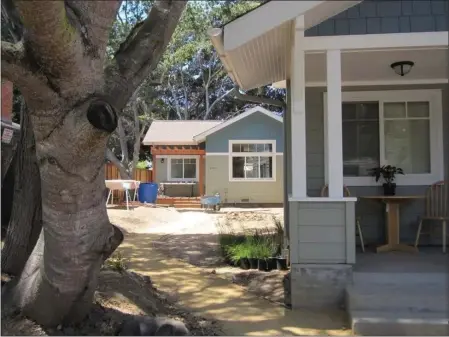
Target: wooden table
[(392, 205)]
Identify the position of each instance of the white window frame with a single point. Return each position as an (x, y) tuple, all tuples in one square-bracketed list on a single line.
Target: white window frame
[(434, 97), (272, 154), (170, 178)]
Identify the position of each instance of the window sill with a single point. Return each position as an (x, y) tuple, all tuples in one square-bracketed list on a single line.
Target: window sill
[(408, 180), (252, 180), (322, 199)]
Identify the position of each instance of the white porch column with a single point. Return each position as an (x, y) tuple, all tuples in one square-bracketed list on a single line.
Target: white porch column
[(298, 112), (334, 134)]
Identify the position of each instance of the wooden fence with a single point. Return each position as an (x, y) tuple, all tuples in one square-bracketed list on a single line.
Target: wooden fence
[(111, 173)]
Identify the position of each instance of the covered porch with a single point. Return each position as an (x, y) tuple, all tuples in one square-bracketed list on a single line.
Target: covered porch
[(348, 111), (181, 172)]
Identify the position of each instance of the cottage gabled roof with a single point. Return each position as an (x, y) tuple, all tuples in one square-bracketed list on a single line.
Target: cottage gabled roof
[(169, 132), (202, 136)]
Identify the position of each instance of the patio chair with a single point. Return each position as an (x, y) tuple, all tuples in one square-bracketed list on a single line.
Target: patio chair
[(347, 193), (437, 209)]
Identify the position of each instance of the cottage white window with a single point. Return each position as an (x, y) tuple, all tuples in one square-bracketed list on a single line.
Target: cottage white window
[(399, 128), (183, 169), (252, 160)]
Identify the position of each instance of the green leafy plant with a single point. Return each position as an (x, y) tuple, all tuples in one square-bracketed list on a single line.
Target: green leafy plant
[(142, 165), (238, 251), (387, 172), (116, 262)]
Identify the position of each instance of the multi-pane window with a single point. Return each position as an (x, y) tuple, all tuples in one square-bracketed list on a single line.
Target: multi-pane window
[(407, 136), (398, 128), (360, 138), (252, 161), (183, 168)]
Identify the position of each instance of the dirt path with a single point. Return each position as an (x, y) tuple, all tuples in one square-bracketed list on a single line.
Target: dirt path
[(238, 311)]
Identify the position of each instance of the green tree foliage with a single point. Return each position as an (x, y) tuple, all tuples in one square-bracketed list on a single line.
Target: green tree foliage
[(189, 82)]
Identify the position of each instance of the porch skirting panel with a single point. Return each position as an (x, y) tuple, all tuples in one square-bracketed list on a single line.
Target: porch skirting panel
[(322, 251), (322, 231)]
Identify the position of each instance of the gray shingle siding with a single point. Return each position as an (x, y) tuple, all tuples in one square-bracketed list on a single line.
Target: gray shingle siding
[(383, 17)]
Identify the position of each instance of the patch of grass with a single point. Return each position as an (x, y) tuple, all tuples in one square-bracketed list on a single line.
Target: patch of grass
[(257, 245), (116, 262)]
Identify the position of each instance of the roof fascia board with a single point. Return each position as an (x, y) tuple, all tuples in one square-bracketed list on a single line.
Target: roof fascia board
[(376, 41), (262, 20)]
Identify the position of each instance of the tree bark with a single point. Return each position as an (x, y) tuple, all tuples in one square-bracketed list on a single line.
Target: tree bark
[(76, 231), (26, 217), (62, 77)]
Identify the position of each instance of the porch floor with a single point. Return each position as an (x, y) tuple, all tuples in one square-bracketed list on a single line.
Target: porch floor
[(428, 260)]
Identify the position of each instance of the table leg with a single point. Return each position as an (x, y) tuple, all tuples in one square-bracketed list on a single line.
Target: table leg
[(393, 221), (109, 195)]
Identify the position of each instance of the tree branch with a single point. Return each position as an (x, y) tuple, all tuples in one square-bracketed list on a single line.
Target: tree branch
[(52, 39), (122, 138), (142, 50), (216, 101), (178, 110), (257, 99), (136, 149), (113, 159), (33, 86), (94, 19)]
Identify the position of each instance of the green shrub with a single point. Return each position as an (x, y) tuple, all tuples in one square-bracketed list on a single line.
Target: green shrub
[(141, 165), (238, 251)]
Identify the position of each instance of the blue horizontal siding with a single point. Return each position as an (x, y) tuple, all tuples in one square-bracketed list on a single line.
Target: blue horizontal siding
[(256, 126)]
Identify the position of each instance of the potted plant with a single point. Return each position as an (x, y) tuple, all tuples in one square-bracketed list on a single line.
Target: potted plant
[(239, 255), (264, 250), (388, 173), (281, 263)]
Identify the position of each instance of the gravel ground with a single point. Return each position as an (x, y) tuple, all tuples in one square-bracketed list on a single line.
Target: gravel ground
[(192, 235), (119, 297)]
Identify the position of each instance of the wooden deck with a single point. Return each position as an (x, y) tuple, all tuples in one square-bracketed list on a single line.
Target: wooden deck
[(179, 202)]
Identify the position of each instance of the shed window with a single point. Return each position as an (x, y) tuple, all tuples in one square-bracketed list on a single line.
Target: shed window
[(252, 161), (183, 169)]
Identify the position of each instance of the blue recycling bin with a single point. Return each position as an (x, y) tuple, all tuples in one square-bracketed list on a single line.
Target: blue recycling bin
[(148, 192)]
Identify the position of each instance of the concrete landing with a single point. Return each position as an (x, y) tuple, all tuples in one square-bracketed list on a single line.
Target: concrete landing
[(381, 323), (401, 304)]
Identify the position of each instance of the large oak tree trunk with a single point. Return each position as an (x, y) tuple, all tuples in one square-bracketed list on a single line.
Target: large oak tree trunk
[(26, 215), (60, 70), (77, 234)]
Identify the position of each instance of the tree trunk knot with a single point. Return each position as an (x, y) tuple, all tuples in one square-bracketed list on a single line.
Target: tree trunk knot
[(102, 115)]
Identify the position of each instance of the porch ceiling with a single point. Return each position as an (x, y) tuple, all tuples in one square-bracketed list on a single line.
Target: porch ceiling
[(373, 67), (255, 49)]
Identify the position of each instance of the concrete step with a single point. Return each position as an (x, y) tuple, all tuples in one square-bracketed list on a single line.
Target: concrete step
[(388, 278), (376, 323), (410, 298)]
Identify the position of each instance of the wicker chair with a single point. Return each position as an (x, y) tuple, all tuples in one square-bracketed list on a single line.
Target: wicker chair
[(437, 210), (347, 193)]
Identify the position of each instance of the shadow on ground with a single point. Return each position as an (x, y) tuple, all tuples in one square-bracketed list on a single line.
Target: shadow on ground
[(239, 312)]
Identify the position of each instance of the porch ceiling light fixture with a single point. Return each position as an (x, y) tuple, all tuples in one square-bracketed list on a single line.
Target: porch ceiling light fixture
[(402, 67)]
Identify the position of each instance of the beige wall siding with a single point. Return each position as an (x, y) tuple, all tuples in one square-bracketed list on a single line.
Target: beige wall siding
[(217, 181), (161, 170)]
